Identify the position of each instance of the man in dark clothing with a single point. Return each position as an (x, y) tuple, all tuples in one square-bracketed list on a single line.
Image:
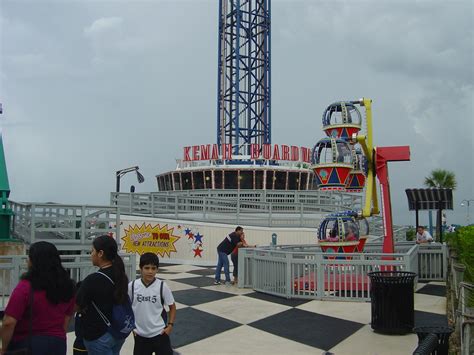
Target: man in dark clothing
[(223, 250)]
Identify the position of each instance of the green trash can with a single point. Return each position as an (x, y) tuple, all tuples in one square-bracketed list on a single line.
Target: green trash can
[(393, 301)]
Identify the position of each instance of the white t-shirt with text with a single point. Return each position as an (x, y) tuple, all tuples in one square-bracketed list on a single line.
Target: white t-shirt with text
[(147, 307)]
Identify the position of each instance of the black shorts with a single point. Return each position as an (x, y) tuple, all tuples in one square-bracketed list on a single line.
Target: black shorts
[(146, 346)]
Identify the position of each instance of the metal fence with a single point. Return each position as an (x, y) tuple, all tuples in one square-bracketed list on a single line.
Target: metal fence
[(462, 302), (306, 272), (79, 266), (65, 225), (74, 226), (249, 207), (465, 317)]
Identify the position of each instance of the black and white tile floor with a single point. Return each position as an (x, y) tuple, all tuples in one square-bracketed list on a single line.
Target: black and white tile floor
[(227, 320)]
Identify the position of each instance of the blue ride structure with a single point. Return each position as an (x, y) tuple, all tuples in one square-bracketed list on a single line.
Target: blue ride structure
[(244, 75)]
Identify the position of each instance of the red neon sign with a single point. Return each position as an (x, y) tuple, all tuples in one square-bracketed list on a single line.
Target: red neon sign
[(257, 152)]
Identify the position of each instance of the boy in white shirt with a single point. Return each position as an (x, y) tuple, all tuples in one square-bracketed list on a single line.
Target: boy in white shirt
[(423, 236), (149, 295)]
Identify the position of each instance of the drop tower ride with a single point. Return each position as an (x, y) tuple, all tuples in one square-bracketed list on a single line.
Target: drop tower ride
[(243, 156)]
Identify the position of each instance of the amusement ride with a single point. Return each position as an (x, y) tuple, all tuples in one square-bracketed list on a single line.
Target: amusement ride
[(346, 160)]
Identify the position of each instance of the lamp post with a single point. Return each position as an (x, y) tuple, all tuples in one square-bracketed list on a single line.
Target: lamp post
[(467, 203), (122, 172)]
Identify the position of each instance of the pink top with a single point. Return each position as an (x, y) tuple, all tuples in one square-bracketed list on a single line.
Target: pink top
[(48, 318)]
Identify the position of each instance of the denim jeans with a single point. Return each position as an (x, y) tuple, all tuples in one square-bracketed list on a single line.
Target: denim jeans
[(105, 345), (223, 260)]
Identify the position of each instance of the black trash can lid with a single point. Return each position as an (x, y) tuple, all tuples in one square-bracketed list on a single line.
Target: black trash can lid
[(391, 274), (440, 329)]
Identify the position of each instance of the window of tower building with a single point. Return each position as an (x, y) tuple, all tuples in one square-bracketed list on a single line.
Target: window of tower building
[(218, 179), (246, 179), (208, 179), (186, 180), (280, 180), (198, 178), (270, 178), (163, 182), (303, 181), (168, 182), (177, 183), (230, 179), (293, 180), (258, 179), (161, 186)]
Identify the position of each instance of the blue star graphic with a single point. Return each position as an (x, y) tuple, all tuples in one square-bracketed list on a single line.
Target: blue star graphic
[(187, 231), (198, 238)]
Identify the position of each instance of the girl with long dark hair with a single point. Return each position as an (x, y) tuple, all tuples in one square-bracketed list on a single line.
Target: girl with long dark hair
[(99, 292), (40, 306)]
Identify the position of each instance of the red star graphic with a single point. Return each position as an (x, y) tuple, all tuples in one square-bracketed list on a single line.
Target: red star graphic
[(179, 226), (197, 252), (190, 236)]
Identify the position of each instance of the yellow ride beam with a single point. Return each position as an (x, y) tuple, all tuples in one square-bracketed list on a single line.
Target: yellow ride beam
[(371, 205)]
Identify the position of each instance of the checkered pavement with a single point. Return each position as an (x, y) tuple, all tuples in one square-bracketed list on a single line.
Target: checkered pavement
[(224, 319)]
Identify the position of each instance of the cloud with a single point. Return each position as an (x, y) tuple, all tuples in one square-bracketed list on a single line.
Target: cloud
[(414, 59), (107, 85), (103, 25)]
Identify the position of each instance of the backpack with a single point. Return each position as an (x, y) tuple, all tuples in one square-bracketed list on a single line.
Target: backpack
[(164, 314), (123, 320)]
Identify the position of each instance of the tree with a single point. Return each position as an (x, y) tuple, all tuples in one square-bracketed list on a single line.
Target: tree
[(441, 179)]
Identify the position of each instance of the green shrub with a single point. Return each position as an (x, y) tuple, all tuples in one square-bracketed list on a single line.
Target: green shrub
[(453, 241), (462, 241), (410, 234), (465, 237)]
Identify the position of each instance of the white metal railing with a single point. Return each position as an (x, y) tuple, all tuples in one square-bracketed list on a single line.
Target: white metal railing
[(250, 207), (432, 262), (307, 272), (63, 224), (79, 266)]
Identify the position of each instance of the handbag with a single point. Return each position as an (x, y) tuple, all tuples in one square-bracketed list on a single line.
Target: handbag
[(26, 350)]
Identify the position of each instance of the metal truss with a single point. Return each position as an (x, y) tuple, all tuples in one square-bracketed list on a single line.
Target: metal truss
[(243, 109)]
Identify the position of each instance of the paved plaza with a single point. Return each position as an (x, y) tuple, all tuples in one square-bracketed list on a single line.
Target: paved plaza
[(227, 320)]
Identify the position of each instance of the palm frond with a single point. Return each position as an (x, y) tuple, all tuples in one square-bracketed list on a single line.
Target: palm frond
[(441, 178)]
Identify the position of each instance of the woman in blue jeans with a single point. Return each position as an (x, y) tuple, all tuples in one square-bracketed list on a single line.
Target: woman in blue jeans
[(100, 290)]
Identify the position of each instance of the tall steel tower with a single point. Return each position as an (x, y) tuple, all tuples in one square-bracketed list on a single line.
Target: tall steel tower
[(243, 96)]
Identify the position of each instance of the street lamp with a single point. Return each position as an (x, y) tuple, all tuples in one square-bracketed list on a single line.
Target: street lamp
[(122, 172), (467, 203)]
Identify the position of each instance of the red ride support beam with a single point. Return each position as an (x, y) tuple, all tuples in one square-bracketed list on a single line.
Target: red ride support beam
[(382, 156)]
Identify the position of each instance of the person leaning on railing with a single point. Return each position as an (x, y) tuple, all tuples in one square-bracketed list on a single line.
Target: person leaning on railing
[(223, 250), (423, 236)]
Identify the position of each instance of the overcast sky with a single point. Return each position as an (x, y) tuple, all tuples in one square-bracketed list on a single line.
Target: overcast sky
[(91, 87)]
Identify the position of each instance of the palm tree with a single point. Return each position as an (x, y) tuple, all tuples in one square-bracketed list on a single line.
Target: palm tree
[(441, 179)]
